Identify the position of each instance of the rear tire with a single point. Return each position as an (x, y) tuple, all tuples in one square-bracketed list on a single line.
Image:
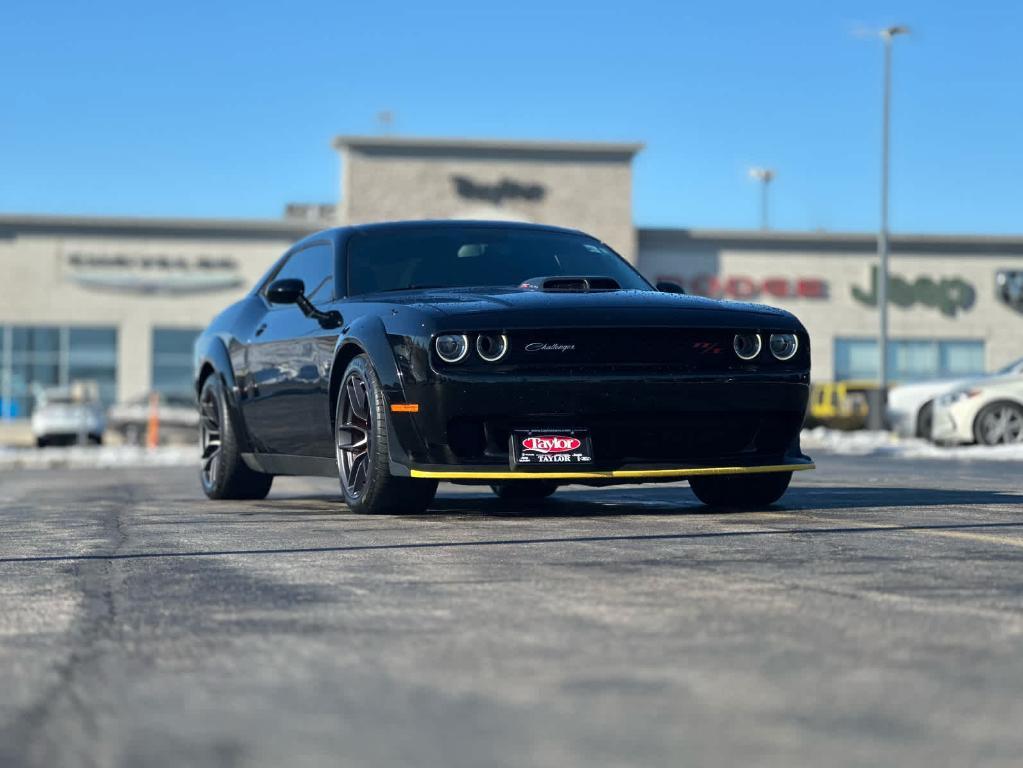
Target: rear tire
[(363, 459), (524, 490), (222, 473), (741, 491)]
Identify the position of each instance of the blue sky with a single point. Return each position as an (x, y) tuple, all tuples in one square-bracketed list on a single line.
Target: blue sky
[(227, 109)]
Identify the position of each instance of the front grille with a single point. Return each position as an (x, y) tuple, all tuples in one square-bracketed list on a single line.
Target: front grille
[(648, 437)]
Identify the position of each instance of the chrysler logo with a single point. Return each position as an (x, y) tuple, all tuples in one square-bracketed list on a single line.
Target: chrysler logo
[(1009, 287), (539, 346)]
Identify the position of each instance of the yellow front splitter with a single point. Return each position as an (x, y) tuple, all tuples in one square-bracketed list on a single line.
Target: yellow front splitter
[(613, 474)]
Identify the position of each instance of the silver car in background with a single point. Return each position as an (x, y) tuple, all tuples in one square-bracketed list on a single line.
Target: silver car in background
[(68, 415)]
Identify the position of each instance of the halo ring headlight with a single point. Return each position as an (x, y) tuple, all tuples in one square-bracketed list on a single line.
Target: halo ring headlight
[(452, 347), (784, 345), (491, 346), (747, 345)]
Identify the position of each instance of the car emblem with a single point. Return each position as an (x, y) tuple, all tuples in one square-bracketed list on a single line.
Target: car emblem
[(1009, 288), (540, 346), (551, 444)]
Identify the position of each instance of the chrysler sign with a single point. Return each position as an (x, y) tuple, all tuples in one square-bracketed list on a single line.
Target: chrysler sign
[(152, 273)]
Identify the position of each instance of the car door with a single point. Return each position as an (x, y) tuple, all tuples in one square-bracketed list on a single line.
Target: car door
[(289, 357)]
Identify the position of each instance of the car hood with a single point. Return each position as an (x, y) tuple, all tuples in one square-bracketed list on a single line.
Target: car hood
[(915, 395), (500, 305)]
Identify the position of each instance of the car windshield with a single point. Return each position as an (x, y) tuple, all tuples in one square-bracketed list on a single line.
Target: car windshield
[(461, 257), (1016, 366)]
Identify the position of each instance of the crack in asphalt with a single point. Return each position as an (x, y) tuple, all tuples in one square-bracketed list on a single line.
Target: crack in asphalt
[(33, 729), (835, 530)]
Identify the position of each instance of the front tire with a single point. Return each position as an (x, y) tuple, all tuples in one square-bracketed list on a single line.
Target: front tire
[(524, 490), (741, 491), (360, 438), (999, 423), (222, 473), (925, 420)]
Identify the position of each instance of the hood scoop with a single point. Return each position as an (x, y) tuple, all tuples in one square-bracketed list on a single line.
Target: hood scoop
[(571, 284)]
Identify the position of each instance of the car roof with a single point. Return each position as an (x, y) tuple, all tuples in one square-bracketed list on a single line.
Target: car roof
[(339, 233)]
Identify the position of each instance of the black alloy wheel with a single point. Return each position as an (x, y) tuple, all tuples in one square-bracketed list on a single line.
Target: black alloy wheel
[(222, 472), (353, 426), (361, 446), (209, 436)]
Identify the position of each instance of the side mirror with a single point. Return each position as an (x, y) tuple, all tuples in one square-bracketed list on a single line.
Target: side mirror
[(286, 291), (666, 286)]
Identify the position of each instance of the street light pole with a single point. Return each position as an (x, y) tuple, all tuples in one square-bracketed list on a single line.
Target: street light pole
[(878, 419), (764, 176)]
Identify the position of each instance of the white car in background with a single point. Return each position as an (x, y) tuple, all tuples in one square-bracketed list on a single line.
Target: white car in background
[(911, 406), (986, 411), (68, 415)]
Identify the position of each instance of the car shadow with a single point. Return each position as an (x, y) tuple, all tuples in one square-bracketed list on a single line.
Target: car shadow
[(636, 501)]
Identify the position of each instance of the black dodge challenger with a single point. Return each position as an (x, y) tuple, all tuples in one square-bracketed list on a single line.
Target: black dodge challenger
[(517, 356)]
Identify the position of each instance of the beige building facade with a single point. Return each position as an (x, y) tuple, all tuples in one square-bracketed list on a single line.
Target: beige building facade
[(583, 185), (120, 300)]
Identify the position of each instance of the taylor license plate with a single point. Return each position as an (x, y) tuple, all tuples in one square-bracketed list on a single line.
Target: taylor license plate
[(550, 448)]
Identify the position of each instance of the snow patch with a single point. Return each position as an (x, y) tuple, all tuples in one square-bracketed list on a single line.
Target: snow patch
[(876, 443), (99, 457)]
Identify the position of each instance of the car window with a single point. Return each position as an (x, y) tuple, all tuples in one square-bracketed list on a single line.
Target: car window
[(314, 266), (459, 257)]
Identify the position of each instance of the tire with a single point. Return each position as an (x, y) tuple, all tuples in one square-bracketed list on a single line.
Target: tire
[(524, 490), (925, 420), (360, 439), (42, 442), (999, 423), (741, 491), (222, 473), (96, 439)]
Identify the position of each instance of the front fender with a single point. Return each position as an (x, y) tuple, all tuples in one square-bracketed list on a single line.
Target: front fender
[(368, 335), (210, 354)]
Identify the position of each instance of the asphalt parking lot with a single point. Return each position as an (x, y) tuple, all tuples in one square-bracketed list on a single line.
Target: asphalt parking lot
[(875, 616)]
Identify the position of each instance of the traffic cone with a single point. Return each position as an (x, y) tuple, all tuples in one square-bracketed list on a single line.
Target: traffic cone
[(153, 427)]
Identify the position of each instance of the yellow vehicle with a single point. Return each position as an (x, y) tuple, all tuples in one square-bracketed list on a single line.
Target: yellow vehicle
[(840, 404)]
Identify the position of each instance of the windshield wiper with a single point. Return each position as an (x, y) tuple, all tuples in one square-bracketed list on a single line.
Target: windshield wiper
[(409, 288)]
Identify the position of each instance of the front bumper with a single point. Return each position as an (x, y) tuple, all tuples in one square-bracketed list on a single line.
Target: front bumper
[(642, 427), (634, 475), (948, 428)]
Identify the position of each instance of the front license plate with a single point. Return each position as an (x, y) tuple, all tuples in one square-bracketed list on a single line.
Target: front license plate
[(550, 448)]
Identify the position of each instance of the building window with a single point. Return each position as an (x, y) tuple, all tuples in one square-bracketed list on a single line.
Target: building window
[(33, 358), (172, 360), (909, 359)]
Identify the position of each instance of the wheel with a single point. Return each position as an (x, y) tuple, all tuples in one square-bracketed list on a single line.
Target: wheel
[(924, 420), (998, 424), (524, 490), (96, 439), (222, 472), (360, 435), (42, 442), (743, 491)]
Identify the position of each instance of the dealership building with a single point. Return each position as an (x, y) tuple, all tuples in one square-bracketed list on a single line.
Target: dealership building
[(120, 300)]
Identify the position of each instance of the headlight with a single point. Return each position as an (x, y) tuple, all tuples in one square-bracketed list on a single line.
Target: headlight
[(491, 346), (747, 345), (958, 396), (784, 345), (451, 348)]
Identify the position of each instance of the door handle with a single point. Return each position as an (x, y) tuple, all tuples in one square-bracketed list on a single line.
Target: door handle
[(260, 329)]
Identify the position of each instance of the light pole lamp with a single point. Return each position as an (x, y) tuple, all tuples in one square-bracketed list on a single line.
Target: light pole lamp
[(764, 176), (877, 419)]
